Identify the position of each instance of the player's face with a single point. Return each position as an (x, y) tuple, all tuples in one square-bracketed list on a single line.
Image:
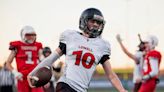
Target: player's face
[(30, 37), (47, 54), (94, 24), (147, 46)]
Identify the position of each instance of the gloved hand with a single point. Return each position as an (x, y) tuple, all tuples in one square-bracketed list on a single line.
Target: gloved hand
[(157, 81), (17, 75), (118, 37), (146, 77)]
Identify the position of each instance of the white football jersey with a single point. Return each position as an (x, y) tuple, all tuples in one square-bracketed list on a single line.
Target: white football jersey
[(137, 73), (82, 56)]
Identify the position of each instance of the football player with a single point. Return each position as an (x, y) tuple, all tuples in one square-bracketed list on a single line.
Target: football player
[(49, 87), (138, 59), (26, 53), (83, 51), (46, 51), (151, 65)]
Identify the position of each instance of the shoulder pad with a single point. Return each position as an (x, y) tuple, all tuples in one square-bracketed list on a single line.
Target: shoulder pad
[(14, 45)]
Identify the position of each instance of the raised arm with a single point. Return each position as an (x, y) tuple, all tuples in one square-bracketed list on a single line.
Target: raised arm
[(132, 56)]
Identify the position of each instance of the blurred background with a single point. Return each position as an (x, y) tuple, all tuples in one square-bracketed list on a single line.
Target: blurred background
[(51, 17)]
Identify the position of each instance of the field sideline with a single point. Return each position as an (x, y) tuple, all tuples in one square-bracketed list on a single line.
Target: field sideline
[(113, 90)]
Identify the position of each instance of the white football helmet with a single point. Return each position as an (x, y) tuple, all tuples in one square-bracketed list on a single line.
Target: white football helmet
[(152, 41), (28, 30)]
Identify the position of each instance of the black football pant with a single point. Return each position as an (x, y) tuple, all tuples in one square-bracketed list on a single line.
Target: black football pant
[(63, 87)]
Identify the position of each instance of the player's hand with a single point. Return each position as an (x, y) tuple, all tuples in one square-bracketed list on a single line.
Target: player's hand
[(118, 38), (30, 79), (146, 77), (17, 75)]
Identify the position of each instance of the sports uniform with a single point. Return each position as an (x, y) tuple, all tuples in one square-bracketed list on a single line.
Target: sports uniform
[(49, 87), (151, 65), (27, 58), (149, 85), (83, 51), (138, 59), (137, 73), (82, 56)]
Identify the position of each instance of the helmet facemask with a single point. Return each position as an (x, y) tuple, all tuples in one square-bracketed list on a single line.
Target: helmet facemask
[(46, 51), (28, 35), (152, 41)]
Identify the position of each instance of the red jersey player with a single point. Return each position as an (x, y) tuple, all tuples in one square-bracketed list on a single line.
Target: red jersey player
[(26, 53), (151, 64)]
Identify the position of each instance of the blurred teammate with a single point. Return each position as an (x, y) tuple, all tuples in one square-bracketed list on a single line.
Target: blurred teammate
[(6, 80), (138, 59), (49, 87), (84, 51), (151, 65), (26, 53), (58, 70)]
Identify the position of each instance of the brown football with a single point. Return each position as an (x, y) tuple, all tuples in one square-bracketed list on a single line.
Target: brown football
[(42, 76)]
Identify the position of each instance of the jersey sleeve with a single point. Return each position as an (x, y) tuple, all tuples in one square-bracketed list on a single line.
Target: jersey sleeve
[(66, 35), (63, 37), (13, 45), (62, 47), (155, 54), (138, 54), (63, 41), (106, 53), (107, 49), (40, 45), (104, 58)]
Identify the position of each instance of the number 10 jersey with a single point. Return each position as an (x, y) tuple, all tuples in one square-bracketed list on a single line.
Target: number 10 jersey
[(82, 56)]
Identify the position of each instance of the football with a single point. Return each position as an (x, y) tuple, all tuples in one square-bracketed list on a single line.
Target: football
[(42, 76)]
